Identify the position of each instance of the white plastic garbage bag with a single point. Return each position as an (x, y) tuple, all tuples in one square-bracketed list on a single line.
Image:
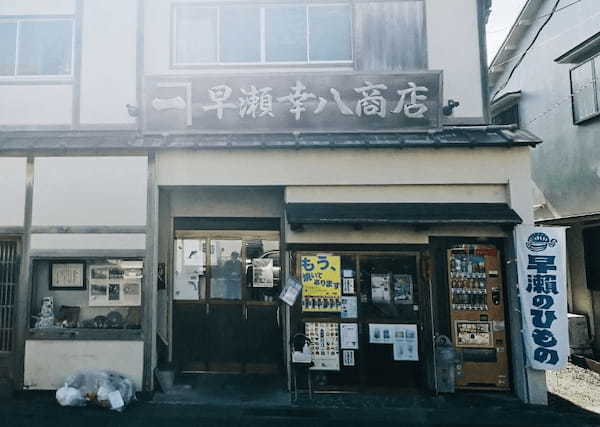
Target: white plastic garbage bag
[(69, 396), (107, 389)]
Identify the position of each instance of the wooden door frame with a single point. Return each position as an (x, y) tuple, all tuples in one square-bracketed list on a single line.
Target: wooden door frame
[(209, 236)]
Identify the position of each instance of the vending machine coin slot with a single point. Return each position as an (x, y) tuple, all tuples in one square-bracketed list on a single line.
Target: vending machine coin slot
[(496, 296)]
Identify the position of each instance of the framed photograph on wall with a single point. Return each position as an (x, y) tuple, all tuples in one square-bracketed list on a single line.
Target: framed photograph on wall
[(67, 276)]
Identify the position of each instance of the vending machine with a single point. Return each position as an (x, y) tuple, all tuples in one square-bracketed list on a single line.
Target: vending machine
[(477, 317)]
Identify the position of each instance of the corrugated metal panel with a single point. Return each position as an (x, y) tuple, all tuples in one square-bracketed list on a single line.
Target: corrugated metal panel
[(9, 277)]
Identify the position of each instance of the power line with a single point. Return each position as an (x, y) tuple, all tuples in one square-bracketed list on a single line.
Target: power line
[(546, 41), (537, 18), (537, 34)]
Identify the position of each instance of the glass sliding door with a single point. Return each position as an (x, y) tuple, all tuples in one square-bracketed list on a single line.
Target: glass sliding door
[(226, 310)]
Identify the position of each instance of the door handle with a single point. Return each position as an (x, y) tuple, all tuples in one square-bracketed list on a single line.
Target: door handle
[(207, 309), (277, 318)]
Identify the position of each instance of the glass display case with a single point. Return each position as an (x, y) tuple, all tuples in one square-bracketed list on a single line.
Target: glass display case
[(86, 294)]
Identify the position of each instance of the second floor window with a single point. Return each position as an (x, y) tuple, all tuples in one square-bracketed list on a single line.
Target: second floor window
[(33, 47), (585, 90), (283, 34)]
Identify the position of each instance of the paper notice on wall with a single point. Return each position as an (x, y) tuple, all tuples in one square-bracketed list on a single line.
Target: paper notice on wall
[(406, 343), (290, 291), (402, 285), (192, 253), (348, 285), (348, 357), (349, 335), (381, 333), (325, 345), (262, 273), (349, 307), (380, 288), (321, 283), (186, 285)]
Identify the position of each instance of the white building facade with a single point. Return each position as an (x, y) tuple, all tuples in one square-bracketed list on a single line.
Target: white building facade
[(208, 140)]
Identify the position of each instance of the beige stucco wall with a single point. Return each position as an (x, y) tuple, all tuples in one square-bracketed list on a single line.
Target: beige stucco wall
[(487, 169), (393, 235), (49, 363), (12, 191), (226, 202), (427, 193)]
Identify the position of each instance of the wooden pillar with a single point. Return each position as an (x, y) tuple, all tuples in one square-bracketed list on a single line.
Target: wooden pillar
[(150, 277), (23, 295)]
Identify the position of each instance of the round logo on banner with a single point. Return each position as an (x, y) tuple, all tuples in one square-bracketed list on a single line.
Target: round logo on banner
[(538, 242)]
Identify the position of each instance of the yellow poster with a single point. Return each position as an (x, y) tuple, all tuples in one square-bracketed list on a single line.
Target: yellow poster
[(321, 283)]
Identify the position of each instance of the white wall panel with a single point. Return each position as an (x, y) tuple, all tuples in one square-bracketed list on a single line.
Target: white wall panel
[(108, 74), (88, 241), (24, 105), (37, 7), (12, 191), (90, 191), (49, 363)]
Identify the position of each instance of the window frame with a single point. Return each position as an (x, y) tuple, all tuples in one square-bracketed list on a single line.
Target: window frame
[(263, 63), (40, 77), (595, 89)]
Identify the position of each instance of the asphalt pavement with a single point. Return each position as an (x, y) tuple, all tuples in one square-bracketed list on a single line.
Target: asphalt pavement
[(331, 410)]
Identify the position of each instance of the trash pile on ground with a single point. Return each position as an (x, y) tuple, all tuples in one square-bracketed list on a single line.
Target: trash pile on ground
[(106, 389)]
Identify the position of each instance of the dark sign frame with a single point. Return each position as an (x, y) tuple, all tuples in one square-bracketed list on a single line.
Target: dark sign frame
[(187, 104)]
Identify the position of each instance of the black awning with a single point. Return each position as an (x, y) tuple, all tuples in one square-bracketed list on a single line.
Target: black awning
[(299, 214)]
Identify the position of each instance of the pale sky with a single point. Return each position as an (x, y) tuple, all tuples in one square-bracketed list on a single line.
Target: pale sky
[(504, 13)]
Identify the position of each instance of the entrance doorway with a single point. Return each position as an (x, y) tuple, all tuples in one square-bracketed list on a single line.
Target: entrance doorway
[(226, 314)]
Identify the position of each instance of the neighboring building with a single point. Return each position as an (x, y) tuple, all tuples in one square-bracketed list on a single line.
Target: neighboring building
[(545, 78), (231, 148)]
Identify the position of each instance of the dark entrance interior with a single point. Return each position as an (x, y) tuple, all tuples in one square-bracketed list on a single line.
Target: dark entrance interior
[(226, 315)]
